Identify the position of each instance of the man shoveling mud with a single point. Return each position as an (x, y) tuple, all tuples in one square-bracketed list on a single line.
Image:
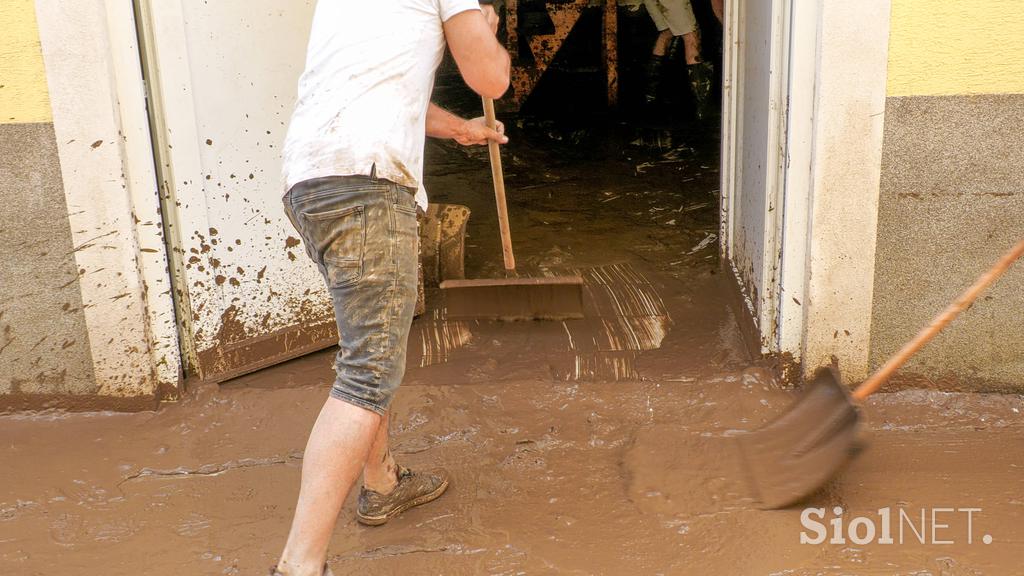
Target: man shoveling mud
[(353, 164)]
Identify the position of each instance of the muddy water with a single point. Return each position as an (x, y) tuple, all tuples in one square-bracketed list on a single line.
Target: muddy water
[(597, 447)]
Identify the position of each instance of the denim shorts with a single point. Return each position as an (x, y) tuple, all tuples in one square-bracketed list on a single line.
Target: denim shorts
[(361, 232)]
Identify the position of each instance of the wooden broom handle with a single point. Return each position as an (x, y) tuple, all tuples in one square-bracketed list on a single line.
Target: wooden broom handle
[(499, 189), (872, 384)]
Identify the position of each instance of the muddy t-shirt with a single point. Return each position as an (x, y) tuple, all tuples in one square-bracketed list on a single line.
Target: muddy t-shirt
[(363, 97)]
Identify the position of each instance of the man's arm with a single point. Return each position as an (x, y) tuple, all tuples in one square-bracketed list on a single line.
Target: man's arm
[(484, 65), (443, 124), (483, 62)]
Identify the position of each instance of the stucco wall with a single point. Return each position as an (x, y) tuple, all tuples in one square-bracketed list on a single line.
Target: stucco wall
[(952, 190), (44, 346), (23, 94), (943, 47), (86, 317)]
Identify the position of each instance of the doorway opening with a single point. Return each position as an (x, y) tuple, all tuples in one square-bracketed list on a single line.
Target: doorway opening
[(627, 195), (623, 188)]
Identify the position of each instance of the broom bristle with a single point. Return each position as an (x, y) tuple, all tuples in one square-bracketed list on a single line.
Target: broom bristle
[(556, 298)]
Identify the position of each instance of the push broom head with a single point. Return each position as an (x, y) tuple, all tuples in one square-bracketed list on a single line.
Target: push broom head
[(554, 298), (794, 455)]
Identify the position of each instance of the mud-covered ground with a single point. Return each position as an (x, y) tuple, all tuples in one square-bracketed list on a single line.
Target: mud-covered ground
[(601, 446)]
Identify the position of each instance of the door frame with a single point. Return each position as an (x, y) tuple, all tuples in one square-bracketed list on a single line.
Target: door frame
[(96, 91), (761, 318), (172, 148), (831, 95)]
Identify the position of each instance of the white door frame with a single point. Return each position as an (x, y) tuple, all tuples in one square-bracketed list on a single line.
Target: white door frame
[(828, 104), (96, 91), (731, 113), (169, 92), (764, 312), (801, 85)]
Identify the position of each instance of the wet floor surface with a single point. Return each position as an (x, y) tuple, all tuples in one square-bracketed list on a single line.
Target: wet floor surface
[(604, 446)]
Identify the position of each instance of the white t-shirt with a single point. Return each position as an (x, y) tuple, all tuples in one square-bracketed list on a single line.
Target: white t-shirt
[(363, 97)]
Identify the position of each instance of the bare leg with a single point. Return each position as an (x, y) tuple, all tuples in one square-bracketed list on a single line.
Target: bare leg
[(335, 454), (380, 473), (661, 44), (691, 47)]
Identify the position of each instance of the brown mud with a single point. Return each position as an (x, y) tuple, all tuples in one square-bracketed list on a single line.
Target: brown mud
[(596, 446)]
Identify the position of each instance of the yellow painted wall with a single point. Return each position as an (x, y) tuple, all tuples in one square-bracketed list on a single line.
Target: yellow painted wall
[(24, 96), (950, 47)]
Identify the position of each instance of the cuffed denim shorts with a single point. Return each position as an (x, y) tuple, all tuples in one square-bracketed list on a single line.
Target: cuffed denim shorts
[(361, 232)]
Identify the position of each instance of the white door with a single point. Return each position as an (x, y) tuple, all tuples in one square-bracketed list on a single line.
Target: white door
[(222, 78), (753, 134)]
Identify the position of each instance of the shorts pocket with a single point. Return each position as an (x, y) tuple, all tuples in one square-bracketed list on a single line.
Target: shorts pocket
[(338, 238), (405, 209), (405, 200)]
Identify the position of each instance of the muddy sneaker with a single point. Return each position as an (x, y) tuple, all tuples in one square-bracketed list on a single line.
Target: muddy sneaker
[(413, 489)]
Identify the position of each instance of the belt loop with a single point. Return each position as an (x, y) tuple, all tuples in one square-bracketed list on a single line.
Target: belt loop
[(373, 173)]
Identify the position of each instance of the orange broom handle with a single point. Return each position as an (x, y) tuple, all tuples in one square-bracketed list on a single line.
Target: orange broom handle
[(872, 384)]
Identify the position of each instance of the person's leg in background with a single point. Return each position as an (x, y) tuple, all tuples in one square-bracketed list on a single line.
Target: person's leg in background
[(691, 46), (678, 39), (655, 68)]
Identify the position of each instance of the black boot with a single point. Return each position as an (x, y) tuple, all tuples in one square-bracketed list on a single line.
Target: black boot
[(654, 72), (697, 81), (701, 75)]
